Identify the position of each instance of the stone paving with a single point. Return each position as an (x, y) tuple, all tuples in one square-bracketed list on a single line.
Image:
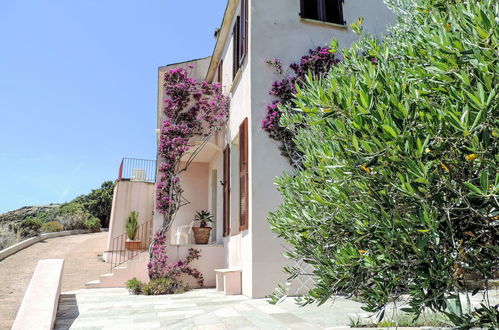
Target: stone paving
[(199, 309), (203, 309)]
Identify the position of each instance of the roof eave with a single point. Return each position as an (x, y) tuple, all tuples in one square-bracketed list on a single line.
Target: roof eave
[(223, 34)]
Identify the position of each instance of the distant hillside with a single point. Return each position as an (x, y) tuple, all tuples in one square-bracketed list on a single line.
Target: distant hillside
[(24, 212)]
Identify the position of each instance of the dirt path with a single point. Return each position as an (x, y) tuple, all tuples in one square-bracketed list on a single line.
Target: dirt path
[(81, 264)]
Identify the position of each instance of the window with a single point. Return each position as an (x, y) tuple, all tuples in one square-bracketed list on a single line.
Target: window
[(226, 184), (220, 72), (323, 10), (240, 37), (243, 175)]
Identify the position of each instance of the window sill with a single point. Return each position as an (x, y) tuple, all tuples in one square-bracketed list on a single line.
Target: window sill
[(342, 27)]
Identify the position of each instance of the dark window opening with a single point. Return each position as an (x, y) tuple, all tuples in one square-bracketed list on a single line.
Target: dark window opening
[(323, 10), (240, 37), (235, 48)]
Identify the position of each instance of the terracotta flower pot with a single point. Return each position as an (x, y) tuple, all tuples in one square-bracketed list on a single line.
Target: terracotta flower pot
[(133, 245), (201, 234)]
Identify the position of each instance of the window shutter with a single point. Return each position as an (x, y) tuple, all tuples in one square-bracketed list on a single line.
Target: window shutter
[(226, 184), (243, 31), (220, 71), (302, 8), (243, 175), (235, 47)]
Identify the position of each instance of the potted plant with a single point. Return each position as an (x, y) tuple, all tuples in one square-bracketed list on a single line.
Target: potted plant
[(202, 233), (132, 228)]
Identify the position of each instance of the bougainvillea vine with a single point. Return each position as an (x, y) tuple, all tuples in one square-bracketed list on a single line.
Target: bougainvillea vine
[(191, 109), (318, 61)]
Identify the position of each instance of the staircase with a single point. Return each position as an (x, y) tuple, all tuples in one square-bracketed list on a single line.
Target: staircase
[(126, 261), (136, 267)]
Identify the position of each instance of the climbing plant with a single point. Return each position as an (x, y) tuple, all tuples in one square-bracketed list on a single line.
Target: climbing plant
[(191, 109), (317, 62)]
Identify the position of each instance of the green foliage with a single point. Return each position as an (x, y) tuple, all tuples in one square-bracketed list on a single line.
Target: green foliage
[(203, 217), (72, 216), (99, 202), (29, 227), (399, 188), (92, 224), (156, 286), (134, 286), (51, 226), (132, 225)]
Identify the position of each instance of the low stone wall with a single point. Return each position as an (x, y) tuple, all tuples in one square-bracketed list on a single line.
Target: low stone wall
[(30, 241), (39, 306)]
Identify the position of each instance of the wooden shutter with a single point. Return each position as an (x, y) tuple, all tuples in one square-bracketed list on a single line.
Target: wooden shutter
[(235, 47), (243, 32), (226, 184), (220, 72), (243, 175)]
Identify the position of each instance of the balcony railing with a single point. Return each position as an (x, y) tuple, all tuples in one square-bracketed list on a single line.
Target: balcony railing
[(133, 169)]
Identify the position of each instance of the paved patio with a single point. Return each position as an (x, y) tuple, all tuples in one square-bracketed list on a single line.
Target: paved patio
[(203, 309), (198, 309)]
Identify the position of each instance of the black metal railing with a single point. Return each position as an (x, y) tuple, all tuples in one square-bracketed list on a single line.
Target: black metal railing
[(123, 249), (133, 169)]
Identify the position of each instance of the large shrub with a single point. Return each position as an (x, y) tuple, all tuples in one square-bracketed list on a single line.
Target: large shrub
[(99, 202), (72, 216), (399, 188), (29, 227), (93, 224)]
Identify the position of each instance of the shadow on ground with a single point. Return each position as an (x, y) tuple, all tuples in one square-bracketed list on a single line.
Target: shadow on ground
[(68, 311)]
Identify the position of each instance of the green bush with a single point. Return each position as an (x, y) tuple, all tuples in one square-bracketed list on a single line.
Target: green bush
[(92, 224), (51, 226), (158, 286), (29, 227), (72, 216), (398, 191), (134, 286)]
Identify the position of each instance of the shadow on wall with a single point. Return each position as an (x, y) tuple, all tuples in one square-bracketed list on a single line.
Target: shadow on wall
[(68, 311)]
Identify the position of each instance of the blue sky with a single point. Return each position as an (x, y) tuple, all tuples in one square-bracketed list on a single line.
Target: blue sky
[(78, 87)]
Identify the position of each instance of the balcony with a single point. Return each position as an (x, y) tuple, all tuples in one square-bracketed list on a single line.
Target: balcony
[(133, 169)]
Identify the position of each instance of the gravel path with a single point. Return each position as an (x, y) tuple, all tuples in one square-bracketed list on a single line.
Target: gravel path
[(81, 265)]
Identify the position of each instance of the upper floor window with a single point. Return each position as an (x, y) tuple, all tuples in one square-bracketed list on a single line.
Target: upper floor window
[(323, 10), (240, 37)]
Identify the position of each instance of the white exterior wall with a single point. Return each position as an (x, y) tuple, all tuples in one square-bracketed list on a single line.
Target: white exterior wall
[(238, 244), (276, 31)]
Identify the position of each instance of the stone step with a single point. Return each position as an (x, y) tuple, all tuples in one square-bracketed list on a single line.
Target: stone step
[(92, 284)]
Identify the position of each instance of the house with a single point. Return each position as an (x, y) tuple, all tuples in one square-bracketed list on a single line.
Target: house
[(233, 175)]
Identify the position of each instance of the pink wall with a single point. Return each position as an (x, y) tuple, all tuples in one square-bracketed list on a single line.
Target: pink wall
[(195, 183), (130, 196)]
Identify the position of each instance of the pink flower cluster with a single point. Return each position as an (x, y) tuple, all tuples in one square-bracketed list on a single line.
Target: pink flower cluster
[(190, 108), (318, 61), (159, 267)]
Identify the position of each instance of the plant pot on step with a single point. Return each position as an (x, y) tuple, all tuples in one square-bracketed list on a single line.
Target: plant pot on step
[(201, 234), (133, 245)]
